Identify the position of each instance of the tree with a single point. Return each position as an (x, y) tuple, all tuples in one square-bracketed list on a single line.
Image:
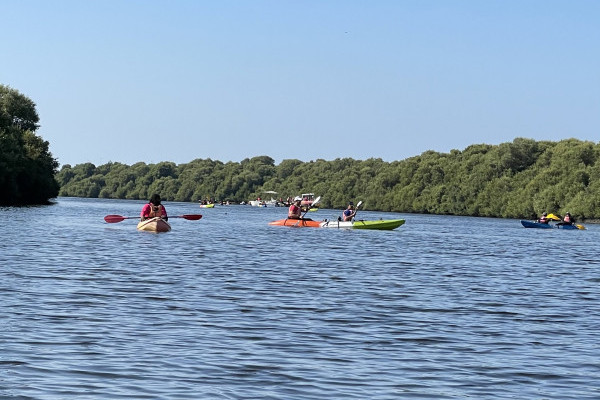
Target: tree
[(27, 167), (512, 180)]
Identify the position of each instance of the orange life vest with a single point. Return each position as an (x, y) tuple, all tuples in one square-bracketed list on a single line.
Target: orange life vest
[(294, 211), (155, 211)]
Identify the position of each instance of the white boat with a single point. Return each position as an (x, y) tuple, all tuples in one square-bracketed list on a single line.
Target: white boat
[(307, 199), (264, 203)]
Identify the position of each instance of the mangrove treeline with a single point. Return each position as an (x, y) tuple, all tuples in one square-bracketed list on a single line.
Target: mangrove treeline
[(512, 180), (27, 167)]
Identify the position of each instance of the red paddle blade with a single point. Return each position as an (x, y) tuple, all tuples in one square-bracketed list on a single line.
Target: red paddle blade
[(192, 217), (111, 219)]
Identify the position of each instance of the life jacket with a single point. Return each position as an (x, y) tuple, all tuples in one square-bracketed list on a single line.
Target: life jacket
[(347, 215), (155, 211), (294, 211)]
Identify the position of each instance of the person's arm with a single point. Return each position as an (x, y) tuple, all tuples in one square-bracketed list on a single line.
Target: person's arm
[(145, 212)]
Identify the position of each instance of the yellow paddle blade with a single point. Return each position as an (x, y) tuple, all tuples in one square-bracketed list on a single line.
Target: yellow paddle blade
[(553, 217)]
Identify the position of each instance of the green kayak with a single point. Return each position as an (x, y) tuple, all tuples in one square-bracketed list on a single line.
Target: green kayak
[(383, 224)]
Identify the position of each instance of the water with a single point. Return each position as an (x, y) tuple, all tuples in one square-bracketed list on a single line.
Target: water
[(228, 307)]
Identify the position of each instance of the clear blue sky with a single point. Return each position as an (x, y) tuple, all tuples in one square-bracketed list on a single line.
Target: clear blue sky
[(151, 81)]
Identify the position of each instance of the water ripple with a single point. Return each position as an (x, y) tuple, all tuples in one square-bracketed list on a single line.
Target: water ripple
[(230, 308)]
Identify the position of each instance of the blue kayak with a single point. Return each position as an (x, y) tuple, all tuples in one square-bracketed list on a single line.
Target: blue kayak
[(530, 224)]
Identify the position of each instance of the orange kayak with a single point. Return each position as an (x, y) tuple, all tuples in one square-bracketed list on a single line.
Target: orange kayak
[(297, 222)]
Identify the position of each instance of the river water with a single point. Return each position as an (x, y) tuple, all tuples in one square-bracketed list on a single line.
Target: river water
[(229, 307)]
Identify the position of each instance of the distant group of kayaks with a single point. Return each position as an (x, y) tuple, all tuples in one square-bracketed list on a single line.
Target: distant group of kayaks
[(158, 224)]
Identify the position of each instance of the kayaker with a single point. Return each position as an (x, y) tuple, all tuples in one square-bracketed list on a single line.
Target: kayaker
[(349, 212), (543, 219), (567, 220), (295, 211), (154, 209)]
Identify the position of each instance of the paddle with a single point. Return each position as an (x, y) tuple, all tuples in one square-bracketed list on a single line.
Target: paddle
[(314, 202), (354, 215), (552, 217), (111, 219), (356, 209), (302, 217)]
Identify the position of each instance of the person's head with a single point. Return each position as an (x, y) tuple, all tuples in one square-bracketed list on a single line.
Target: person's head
[(155, 199)]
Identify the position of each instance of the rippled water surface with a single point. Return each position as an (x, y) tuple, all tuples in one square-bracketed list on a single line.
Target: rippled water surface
[(228, 307)]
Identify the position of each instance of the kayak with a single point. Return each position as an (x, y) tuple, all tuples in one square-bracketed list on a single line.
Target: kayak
[(530, 224), (567, 227), (212, 205), (384, 224), (388, 224), (297, 222), (155, 224)]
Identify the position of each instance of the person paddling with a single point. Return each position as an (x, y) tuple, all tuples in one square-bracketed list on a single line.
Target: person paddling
[(154, 209), (295, 210), (349, 212), (567, 220)]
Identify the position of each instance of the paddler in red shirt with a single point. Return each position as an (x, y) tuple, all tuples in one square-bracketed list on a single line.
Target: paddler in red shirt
[(154, 209), (295, 211)]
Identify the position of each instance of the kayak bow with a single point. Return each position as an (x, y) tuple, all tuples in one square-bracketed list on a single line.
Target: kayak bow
[(155, 224)]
